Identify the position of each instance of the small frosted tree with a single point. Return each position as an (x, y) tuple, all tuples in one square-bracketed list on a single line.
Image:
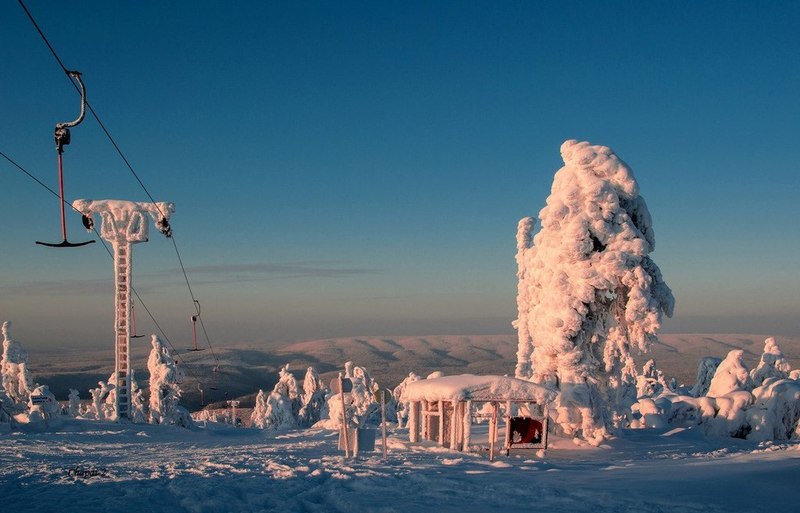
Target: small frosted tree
[(279, 414), (706, 368), (287, 387), (138, 407), (258, 418), (771, 365), (74, 403), (17, 381), (313, 399), (588, 291), (164, 390)]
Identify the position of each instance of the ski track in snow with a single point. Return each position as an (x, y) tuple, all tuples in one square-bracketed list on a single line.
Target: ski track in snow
[(154, 468)]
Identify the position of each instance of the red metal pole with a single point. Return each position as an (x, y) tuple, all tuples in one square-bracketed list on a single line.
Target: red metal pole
[(61, 190)]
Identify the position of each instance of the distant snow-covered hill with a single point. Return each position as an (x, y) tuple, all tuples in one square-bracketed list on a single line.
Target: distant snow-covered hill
[(246, 368)]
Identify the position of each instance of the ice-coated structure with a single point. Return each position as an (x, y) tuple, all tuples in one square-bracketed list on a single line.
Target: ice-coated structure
[(588, 291)]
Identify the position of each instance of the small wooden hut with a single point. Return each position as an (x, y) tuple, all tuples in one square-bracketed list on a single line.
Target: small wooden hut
[(442, 410)]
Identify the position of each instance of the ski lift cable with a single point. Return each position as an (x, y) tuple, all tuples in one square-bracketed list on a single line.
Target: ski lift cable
[(110, 254), (122, 156)]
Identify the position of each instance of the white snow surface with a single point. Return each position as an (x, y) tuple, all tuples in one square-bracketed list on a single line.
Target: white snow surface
[(476, 388), (75, 465)]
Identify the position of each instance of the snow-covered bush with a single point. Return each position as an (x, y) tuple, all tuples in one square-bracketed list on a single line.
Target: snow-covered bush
[(164, 390), (588, 291), (733, 406), (17, 381), (776, 411)]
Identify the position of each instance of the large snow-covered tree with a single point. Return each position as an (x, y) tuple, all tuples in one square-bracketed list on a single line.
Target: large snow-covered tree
[(17, 380), (588, 291)]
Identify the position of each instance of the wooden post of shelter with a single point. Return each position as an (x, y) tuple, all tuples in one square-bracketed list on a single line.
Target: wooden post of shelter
[(413, 422), (454, 426), (441, 423), (467, 421), (507, 417), (492, 430), (344, 418)]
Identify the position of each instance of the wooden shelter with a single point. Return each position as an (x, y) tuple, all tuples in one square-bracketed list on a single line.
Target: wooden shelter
[(442, 410)]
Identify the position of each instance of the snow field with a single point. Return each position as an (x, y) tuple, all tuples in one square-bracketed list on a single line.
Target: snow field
[(219, 468)]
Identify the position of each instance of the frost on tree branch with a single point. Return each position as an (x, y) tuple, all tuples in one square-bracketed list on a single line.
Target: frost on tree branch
[(588, 291)]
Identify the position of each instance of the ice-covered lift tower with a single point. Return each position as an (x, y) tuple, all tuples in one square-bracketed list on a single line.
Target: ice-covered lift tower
[(124, 223)]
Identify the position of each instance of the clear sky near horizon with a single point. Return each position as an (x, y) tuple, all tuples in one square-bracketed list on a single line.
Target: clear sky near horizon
[(359, 168)]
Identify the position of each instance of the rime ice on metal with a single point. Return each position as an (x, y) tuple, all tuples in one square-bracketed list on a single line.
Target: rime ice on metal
[(124, 223)]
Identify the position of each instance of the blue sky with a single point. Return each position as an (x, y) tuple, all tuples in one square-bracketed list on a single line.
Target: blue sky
[(359, 168)]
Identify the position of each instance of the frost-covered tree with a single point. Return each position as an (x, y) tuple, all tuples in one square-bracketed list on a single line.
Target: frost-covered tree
[(279, 415), (17, 381), (164, 390), (588, 290), (651, 381), (363, 393), (403, 408), (771, 365), (287, 387), (313, 399), (138, 407), (258, 418), (706, 368), (74, 403)]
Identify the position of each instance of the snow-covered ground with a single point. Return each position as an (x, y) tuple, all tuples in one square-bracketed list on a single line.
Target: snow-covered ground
[(160, 468)]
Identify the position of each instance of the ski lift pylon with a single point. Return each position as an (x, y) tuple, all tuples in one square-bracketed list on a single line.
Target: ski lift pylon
[(62, 137)]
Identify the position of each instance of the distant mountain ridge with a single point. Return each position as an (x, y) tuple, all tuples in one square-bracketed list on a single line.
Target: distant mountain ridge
[(246, 368)]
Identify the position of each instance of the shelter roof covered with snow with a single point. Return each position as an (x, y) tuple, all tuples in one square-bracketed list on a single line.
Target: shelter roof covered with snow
[(468, 387)]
